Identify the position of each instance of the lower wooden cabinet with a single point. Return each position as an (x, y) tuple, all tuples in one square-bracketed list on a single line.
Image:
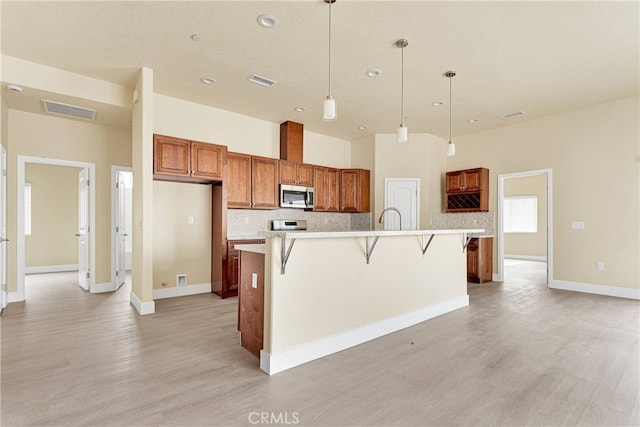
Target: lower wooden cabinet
[(480, 260), (251, 302), (233, 266)]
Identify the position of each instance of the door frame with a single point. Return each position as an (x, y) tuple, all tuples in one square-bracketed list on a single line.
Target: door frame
[(20, 244), (114, 244), (4, 298), (501, 178)]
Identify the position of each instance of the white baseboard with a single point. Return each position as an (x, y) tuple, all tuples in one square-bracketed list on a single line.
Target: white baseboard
[(274, 363), (50, 268), (494, 277), (142, 307), (14, 297), (526, 257), (589, 288), (181, 291), (102, 287)]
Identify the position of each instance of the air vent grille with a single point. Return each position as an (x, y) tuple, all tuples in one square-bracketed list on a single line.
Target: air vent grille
[(262, 80), (512, 115), (68, 110)]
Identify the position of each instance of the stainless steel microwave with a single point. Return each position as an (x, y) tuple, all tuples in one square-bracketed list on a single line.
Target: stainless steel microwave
[(294, 196)]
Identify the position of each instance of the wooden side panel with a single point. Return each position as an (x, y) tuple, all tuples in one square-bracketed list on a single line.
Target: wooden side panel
[(251, 302), (291, 141)]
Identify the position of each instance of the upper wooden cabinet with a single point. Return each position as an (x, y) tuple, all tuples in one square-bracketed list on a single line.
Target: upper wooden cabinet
[(467, 190), (296, 173), (251, 182), (176, 159), (355, 193), (327, 189)]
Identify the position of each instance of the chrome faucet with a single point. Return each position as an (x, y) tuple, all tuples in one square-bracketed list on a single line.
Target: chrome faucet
[(390, 209)]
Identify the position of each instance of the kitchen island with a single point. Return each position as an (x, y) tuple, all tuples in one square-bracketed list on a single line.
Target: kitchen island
[(327, 291)]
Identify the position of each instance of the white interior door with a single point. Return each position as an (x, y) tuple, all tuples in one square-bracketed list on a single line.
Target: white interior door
[(83, 229), (123, 228), (402, 194), (3, 227)]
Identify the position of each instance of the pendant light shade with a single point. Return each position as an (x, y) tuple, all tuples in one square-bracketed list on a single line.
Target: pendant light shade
[(329, 111), (403, 131), (451, 147)]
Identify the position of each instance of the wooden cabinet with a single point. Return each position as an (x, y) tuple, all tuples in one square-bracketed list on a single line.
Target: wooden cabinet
[(467, 190), (252, 182), (355, 193), (176, 159), (326, 188), (251, 301), (233, 265), (480, 260), (296, 173)]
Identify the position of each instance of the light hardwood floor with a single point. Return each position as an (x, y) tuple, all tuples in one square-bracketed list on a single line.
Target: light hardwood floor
[(520, 354)]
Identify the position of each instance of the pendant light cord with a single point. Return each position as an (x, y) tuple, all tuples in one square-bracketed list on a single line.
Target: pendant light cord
[(450, 102), (402, 91), (330, 1)]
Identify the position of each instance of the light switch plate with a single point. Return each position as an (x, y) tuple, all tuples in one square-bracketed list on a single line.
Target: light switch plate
[(577, 225)]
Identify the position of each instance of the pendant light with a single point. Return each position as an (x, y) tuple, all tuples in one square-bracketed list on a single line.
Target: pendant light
[(329, 108), (451, 147), (403, 132)]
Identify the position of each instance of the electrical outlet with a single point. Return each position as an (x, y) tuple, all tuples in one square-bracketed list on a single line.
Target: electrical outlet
[(190, 220), (254, 280), (600, 266)]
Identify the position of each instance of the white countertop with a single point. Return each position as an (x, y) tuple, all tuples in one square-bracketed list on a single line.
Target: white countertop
[(257, 248), (365, 233), (246, 237)]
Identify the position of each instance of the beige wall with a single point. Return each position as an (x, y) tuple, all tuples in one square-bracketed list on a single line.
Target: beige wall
[(594, 155), (180, 247), (51, 137), (423, 157), (54, 215), (4, 118), (528, 244)]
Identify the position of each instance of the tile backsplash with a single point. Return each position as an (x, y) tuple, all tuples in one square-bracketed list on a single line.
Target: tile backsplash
[(248, 222), (445, 221)]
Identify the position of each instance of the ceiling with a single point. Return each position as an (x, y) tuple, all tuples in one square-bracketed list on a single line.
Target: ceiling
[(538, 57)]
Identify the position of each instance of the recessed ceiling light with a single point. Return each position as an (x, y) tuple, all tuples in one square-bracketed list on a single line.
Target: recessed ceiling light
[(196, 37), (437, 103), (372, 73), (14, 88), (208, 80), (363, 127), (268, 21), (472, 121), (300, 109)]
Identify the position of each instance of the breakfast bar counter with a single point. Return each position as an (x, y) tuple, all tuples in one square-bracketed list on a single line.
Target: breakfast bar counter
[(327, 291)]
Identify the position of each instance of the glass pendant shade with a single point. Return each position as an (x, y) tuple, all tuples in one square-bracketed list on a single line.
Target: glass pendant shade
[(329, 110), (403, 134), (451, 149)]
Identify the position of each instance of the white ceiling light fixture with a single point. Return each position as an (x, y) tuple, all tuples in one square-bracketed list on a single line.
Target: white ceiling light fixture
[(472, 121), (329, 107), (363, 127), (300, 109), (207, 80), (403, 132), (372, 73), (437, 103), (14, 88), (268, 21), (451, 147), (196, 37)]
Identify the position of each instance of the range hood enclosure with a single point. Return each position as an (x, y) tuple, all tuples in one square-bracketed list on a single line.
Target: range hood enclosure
[(291, 141)]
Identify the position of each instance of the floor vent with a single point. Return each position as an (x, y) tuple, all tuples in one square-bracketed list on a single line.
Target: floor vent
[(68, 110)]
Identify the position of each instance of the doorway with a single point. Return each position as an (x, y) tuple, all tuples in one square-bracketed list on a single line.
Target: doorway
[(86, 221), (121, 224), (545, 193), (3, 228), (402, 194)]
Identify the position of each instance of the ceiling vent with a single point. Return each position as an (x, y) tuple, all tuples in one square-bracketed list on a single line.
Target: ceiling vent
[(262, 80), (512, 115), (67, 110)]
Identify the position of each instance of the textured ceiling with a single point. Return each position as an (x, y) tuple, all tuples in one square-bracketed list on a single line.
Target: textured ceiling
[(538, 57)]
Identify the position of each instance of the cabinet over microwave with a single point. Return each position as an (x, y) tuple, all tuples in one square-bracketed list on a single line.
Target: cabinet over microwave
[(294, 196)]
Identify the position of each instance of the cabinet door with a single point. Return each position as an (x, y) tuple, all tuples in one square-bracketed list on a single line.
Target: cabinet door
[(473, 261), (264, 183), (472, 180), (287, 172), (332, 193), (455, 182), (348, 191), (238, 181), (320, 188), (170, 156), (207, 160), (233, 266), (304, 175)]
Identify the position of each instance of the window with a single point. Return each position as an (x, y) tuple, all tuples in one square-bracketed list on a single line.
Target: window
[(521, 214), (27, 209)]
